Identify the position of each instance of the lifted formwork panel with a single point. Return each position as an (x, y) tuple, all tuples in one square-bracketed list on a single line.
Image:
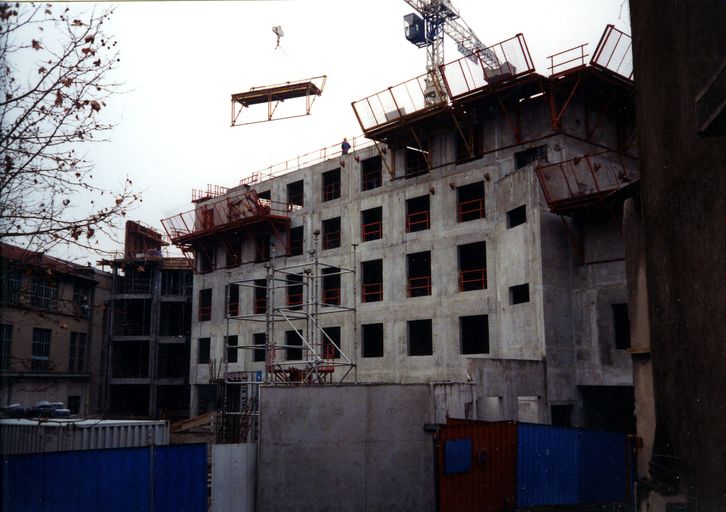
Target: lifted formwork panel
[(274, 95)]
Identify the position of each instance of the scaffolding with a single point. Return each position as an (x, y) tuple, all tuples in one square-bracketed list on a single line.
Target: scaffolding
[(296, 296)]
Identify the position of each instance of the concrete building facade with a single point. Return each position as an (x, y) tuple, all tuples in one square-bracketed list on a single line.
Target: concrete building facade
[(52, 327), (148, 335), (459, 260)]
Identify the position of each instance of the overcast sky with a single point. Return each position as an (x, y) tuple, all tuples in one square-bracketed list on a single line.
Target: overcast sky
[(181, 61)]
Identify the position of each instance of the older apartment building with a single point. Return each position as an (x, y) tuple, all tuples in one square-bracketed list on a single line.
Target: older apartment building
[(475, 238), (52, 325)]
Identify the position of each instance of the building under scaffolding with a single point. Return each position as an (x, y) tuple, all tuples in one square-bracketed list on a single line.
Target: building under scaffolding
[(149, 328), (476, 240)]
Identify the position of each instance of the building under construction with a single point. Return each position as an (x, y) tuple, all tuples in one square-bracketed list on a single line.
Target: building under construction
[(473, 236), (149, 328)]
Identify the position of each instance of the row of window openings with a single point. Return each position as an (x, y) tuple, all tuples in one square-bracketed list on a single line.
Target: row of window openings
[(416, 164), (40, 350), (43, 292), (474, 339), (473, 335), (472, 276), (418, 218)]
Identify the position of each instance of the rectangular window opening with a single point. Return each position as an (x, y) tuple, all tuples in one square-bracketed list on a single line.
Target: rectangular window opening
[(203, 349), (232, 350), (372, 335), (77, 352), (371, 175), (296, 193), (472, 266), (519, 294), (206, 256), (293, 341), (474, 334), (40, 350), (232, 300), (470, 202), (294, 291), (516, 216), (43, 293), (295, 241), (416, 161), (266, 195), (74, 404), (205, 305), (331, 233), (262, 247), (469, 143), (233, 252), (372, 281), (621, 324), (419, 274), (420, 341), (371, 224), (331, 342), (418, 214), (6, 339), (527, 156), (331, 185), (331, 286), (259, 340), (260, 297)]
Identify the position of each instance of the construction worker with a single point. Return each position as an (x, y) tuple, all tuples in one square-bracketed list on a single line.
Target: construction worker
[(345, 146)]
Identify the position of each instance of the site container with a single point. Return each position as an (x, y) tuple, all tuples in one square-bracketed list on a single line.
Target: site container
[(477, 465), (52, 435)]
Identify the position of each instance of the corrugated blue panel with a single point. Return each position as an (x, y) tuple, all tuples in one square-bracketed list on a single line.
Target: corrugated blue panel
[(457, 456), (547, 465), (180, 477), (604, 467), (107, 480)]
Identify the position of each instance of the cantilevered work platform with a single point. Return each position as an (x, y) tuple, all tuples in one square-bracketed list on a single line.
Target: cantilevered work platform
[(274, 95)]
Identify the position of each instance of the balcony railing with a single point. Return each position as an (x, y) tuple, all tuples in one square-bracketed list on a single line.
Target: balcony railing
[(473, 279), (471, 210), (419, 286), (372, 292), (418, 221), (372, 231), (331, 296)]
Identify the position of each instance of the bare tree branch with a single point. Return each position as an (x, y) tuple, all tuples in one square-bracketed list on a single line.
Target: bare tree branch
[(56, 74)]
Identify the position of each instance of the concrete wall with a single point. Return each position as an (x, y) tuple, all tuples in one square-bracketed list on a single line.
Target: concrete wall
[(234, 474), (347, 448), (683, 202)]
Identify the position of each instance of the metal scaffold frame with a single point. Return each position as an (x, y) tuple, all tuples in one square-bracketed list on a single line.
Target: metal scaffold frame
[(291, 302)]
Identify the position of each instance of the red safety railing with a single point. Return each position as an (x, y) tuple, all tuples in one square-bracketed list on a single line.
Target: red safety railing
[(260, 306), (331, 296), (233, 308), (418, 221), (294, 298), (331, 240), (372, 292), (578, 180), (331, 191), (221, 212), (372, 179), (372, 231), (473, 279), (614, 52), (419, 286), (471, 210), (211, 192), (473, 72), (567, 59), (205, 313)]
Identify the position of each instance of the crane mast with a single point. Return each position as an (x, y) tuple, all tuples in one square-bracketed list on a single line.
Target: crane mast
[(426, 28)]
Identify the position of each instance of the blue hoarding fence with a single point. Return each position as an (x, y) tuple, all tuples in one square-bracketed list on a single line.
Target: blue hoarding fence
[(150, 479), (568, 466)]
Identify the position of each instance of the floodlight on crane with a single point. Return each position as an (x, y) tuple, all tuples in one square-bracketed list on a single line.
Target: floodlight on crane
[(426, 28)]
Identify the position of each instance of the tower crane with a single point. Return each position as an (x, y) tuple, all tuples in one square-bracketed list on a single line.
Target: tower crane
[(426, 28)]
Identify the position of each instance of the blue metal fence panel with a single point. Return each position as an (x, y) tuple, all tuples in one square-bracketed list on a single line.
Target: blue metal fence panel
[(117, 480), (108, 480), (180, 477), (547, 465), (604, 467)]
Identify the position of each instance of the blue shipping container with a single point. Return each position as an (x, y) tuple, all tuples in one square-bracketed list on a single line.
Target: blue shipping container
[(110, 480)]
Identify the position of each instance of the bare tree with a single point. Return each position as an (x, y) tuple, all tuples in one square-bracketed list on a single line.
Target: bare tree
[(56, 78)]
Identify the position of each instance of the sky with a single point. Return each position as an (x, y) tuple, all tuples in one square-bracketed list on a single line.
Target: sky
[(181, 61)]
